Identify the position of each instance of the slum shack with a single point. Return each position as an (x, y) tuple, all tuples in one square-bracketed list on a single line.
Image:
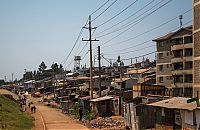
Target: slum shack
[(145, 89), (177, 113), (102, 106)]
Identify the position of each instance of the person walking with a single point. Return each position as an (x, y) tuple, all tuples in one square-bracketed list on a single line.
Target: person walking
[(80, 113), (29, 105)]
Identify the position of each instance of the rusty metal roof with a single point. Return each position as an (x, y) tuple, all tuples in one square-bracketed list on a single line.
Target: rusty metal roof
[(175, 103), (101, 99)]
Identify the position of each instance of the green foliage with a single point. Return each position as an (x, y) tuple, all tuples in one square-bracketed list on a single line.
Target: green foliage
[(55, 68), (89, 116), (73, 110), (12, 118), (42, 67)]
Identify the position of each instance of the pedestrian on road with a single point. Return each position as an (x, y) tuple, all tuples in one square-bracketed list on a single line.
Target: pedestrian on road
[(31, 109), (29, 105), (34, 109), (80, 113)]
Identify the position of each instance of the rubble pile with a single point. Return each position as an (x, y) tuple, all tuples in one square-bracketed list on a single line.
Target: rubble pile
[(111, 123)]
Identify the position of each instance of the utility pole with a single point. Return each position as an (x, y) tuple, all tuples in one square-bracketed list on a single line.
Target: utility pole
[(90, 40), (99, 58), (181, 18), (131, 61), (12, 77)]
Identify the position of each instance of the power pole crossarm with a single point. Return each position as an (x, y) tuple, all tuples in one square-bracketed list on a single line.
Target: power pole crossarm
[(90, 40)]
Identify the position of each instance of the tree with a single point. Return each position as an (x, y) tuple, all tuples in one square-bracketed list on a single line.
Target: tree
[(61, 68), (42, 67), (55, 68)]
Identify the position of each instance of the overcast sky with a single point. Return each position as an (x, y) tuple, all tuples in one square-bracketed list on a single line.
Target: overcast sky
[(46, 30)]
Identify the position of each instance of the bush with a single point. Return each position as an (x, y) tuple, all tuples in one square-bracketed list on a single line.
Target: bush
[(89, 116)]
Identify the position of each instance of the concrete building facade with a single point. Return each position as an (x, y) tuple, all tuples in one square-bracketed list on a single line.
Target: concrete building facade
[(196, 53), (174, 62)]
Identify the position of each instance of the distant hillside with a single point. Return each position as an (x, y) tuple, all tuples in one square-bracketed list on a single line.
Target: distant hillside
[(11, 118)]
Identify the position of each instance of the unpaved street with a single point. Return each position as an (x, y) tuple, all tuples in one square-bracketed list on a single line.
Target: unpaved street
[(53, 119)]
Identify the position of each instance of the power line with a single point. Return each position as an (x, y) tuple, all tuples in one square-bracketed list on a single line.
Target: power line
[(120, 50), (106, 59), (137, 20), (130, 51), (126, 18), (100, 7), (149, 30), (141, 55), (141, 19), (118, 13), (132, 57), (104, 10), (85, 55), (81, 31), (129, 23)]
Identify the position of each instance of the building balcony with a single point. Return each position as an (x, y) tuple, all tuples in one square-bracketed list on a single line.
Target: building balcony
[(181, 85), (181, 46), (177, 59), (181, 59), (188, 58), (180, 72)]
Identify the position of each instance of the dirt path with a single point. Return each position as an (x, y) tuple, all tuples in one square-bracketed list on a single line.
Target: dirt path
[(51, 119)]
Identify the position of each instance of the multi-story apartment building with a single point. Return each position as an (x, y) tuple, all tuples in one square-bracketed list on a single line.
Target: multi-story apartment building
[(163, 62), (196, 48), (174, 62)]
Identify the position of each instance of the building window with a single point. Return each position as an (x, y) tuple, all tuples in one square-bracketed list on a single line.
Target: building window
[(187, 39), (167, 53), (160, 79), (160, 67), (168, 77), (177, 41), (160, 55), (161, 44), (188, 65), (188, 78), (188, 52), (178, 79)]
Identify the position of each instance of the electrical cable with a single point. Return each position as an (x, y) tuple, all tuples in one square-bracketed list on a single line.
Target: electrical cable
[(100, 7), (81, 31), (118, 14), (137, 22), (118, 43), (125, 18), (104, 10)]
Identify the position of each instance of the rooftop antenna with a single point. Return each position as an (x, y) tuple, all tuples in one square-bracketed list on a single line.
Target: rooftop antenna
[(181, 18)]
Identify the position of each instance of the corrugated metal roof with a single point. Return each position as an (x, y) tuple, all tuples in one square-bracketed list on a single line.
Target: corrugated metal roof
[(101, 99), (140, 71), (175, 103), (117, 80)]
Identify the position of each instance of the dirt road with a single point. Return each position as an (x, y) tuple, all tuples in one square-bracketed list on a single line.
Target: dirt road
[(53, 119)]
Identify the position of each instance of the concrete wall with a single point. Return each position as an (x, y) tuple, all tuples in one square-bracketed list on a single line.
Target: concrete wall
[(196, 39)]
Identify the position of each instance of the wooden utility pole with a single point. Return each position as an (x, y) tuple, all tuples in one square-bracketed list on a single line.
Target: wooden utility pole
[(90, 40), (12, 76), (99, 58)]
